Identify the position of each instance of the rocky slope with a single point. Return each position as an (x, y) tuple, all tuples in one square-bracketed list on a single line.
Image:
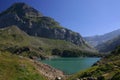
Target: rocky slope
[(49, 72), (34, 23), (96, 40)]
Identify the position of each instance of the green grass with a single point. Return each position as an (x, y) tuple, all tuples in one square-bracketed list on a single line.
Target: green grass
[(13, 67)]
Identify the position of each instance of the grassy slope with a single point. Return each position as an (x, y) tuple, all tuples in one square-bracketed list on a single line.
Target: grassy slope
[(13, 67), (107, 68), (12, 37)]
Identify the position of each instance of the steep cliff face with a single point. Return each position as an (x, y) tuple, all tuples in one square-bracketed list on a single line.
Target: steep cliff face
[(34, 23)]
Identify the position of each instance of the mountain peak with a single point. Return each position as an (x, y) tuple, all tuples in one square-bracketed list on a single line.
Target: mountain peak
[(33, 23), (23, 9), (20, 4)]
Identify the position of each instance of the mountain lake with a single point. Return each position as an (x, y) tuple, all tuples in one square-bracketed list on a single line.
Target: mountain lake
[(71, 65)]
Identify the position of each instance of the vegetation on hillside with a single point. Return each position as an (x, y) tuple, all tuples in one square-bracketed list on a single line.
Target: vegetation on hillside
[(18, 42), (108, 68), (13, 67), (73, 53)]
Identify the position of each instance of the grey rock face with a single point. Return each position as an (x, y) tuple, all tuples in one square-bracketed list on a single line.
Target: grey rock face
[(34, 23)]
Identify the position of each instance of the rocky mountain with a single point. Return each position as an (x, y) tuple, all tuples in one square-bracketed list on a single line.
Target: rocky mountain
[(109, 45), (34, 23), (96, 40)]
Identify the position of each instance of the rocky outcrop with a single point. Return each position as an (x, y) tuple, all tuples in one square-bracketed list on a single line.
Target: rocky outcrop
[(34, 23), (49, 72)]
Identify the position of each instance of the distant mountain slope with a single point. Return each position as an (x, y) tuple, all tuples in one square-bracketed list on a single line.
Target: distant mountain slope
[(109, 45), (16, 41), (108, 68), (96, 40), (34, 23)]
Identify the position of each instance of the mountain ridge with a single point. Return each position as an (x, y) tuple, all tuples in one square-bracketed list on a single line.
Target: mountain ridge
[(95, 40), (33, 23), (109, 45)]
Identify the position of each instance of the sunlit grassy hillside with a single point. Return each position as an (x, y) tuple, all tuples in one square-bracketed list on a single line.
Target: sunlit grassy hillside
[(14, 67)]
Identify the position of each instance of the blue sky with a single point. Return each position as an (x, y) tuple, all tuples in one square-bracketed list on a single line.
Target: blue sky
[(87, 17)]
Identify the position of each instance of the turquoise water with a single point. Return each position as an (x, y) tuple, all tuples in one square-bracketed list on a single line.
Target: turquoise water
[(71, 65)]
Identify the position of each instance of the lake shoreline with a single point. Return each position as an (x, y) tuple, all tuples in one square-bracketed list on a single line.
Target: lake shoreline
[(79, 63)]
